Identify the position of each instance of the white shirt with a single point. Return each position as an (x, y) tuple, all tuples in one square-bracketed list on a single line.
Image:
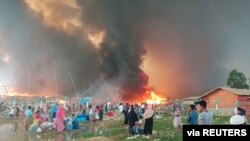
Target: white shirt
[(142, 106), (90, 111), (120, 107), (12, 111)]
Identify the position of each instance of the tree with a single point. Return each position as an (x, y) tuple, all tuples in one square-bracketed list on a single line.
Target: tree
[(237, 80)]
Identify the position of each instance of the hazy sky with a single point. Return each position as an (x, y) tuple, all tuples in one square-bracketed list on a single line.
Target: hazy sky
[(191, 44)]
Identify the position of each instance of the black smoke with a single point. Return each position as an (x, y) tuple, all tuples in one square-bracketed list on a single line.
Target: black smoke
[(191, 39), (122, 51)]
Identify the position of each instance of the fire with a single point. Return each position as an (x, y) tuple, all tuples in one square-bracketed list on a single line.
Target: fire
[(154, 98), (66, 16), (12, 92)]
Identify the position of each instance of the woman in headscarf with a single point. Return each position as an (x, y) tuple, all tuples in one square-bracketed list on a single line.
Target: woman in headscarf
[(242, 112), (148, 116), (132, 118), (59, 120)]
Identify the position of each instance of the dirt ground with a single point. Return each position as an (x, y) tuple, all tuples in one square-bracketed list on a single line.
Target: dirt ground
[(97, 139)]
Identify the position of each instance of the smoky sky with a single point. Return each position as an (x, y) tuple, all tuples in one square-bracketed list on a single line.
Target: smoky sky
[(193, 44)]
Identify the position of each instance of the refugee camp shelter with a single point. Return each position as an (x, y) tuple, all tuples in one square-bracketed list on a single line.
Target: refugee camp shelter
[(227, 99)]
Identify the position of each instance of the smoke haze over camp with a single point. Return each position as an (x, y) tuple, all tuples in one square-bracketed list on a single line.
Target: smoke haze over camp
[(184, 47)]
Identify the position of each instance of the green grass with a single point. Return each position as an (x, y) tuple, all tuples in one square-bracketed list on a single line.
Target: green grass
[(164, 130), (221, 120)]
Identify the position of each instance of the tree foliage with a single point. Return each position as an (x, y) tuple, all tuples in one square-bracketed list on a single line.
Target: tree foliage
[(237, 80)]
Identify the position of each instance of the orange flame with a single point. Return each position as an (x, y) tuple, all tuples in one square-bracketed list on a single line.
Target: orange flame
[(11, 92), (154, 98)]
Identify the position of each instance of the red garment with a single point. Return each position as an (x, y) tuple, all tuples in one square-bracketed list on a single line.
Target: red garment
[(38, 118), (110, 114), (60, 112), (96, 110)]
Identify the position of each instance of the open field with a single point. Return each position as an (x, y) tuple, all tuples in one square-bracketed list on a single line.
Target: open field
[(105, 130), (163, 130)]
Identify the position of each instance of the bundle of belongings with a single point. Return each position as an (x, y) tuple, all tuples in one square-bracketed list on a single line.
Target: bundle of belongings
[(71, 123)]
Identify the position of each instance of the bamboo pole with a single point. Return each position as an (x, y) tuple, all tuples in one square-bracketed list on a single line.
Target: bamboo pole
[(73, 82)]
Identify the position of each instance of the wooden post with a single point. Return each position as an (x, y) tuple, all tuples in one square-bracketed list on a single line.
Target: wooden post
[(28, 81)]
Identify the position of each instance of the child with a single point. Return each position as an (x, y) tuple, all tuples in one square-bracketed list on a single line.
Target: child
[(192, 115), (12, 112), (177, 118), (68, 123), (111, 114), (138, 128)]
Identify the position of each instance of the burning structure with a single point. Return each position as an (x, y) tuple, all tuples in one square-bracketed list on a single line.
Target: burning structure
[(131, 44), (108, 46)]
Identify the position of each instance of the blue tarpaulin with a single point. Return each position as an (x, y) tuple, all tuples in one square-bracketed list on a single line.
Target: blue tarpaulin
[(85, 100)]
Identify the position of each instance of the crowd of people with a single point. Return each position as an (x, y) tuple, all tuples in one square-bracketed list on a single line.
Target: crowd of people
[(59, 117), (138, 118), (198, 114)]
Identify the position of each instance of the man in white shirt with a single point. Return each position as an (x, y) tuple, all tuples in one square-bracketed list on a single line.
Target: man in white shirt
[(120, 107)]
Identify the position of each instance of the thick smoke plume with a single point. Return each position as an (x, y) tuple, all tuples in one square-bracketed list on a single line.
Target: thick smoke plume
[(88, 39), (111, 28), (183, 46)]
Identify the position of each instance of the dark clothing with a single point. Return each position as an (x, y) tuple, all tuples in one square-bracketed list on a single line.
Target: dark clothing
[(132, 118), (17, 112), (143, 110), (100, 113), (125, 113), (53, 115), (106, 108), (148, 128)]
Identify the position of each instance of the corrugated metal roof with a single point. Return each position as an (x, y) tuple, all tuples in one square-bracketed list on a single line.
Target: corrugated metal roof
[(243, 92), (192, 98)]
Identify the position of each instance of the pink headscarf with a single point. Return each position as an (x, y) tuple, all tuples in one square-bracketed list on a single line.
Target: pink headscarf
[(60, 112)]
